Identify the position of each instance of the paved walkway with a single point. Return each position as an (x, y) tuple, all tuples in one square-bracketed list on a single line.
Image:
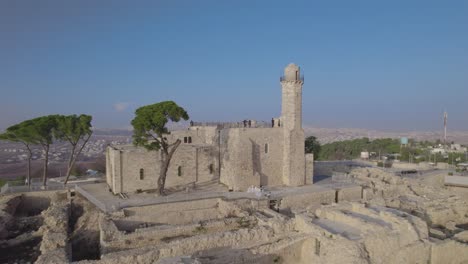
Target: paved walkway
[(111, 202)]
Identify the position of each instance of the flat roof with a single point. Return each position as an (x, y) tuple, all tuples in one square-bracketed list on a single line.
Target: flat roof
[(130, 147)]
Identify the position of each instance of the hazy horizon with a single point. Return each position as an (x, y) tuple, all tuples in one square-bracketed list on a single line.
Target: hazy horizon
[(392, 66)]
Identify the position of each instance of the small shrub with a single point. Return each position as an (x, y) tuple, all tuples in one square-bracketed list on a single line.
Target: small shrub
[(450, 173), (245, 223), (201, 229)]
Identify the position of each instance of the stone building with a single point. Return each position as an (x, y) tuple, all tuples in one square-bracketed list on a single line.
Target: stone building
[(238, 155)]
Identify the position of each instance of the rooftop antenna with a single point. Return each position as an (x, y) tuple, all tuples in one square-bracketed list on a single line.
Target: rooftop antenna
[(445, 127)]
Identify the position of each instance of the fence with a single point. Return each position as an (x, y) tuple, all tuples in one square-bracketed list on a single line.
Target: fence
[(91, 198), (186, 197), (4, 188), (33, 188), (242, 124), (342, 179)]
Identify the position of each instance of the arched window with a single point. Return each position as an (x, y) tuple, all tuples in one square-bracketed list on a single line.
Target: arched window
[(266, 148), (142, 174), (189, 140), (211, 168), (179, 171), (185, 139)]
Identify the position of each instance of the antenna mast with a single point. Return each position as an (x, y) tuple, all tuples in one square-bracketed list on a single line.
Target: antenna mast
[(445, 127)]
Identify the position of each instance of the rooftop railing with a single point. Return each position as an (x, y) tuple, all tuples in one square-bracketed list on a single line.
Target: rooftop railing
[(284, 78), (241, 124)]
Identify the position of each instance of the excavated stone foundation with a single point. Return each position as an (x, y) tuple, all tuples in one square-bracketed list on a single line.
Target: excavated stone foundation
[(384, 219)]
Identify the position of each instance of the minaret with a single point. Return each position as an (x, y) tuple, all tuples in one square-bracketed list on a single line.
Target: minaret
[(291, 107), (291, 123)]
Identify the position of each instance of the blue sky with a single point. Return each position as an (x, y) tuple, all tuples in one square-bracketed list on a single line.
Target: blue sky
[(391, 65)]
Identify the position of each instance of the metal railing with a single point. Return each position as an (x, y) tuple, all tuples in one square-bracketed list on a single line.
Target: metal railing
[(300, 79), (33, 188), (185, 197), (241, 124)]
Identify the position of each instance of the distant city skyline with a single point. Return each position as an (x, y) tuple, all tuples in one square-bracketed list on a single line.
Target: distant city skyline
[(394, 66)]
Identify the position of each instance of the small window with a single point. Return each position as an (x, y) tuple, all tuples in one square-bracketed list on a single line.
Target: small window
[(266, 148), (142, 174), (179, 171), (185, 139), (189, 140), (211, 168)]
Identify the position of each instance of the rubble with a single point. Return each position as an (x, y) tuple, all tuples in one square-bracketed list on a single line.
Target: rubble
[(437, 206), (388, 220)]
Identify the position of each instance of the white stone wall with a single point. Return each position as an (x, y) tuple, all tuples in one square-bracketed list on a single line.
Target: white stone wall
[(124, 167), (309, 168), (291, 109), (237, 157), (294, 164), (132, 162), (244, 161)]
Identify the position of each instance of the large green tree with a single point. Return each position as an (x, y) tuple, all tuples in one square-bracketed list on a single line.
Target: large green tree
[(351, 149), (76, 130), (43, 132), (312, 146), (150, 132), (22, 133)]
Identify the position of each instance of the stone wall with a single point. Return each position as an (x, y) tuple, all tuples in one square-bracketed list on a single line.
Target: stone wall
[(251, 157), (411, 166), (309, 168), (304, 200), (55, 247), (449, 252), (114, 240), (135, 168), (174, 213), (294, 163), (8, 207), (349, 194), (243, 157)]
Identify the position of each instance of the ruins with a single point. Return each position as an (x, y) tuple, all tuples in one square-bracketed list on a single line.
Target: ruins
[(364, 214), (378, 217)]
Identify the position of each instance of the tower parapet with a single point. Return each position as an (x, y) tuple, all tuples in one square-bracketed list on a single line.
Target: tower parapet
[(292, 73)]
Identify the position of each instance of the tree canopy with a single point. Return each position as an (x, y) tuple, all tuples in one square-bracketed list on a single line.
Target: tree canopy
[(22, 133), (45, 130), (74, 129), (150, 123), (312, 146), (149, 127), (350, 149)]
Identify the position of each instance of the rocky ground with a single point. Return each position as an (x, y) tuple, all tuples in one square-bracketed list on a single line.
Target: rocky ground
[(399, 220), (50, 227), (426, 198)]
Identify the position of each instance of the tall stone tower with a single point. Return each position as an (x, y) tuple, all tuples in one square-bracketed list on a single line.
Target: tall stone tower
[(291, 122)]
